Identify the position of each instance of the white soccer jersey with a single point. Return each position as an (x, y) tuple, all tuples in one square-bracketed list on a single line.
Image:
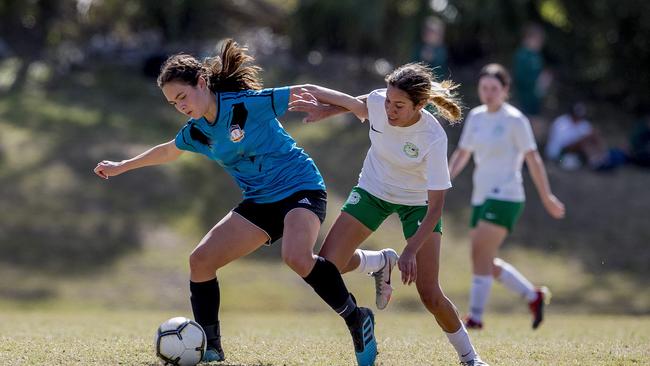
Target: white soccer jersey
[(498, 142), (403, 162)]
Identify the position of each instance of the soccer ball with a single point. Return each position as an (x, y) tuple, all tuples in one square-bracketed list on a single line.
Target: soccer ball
[(180, 342)]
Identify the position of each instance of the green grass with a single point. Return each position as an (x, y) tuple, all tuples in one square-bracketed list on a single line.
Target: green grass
[(95, 337)]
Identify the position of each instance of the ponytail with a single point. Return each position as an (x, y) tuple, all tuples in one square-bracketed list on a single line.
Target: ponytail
[(232, 71), (444, 99)]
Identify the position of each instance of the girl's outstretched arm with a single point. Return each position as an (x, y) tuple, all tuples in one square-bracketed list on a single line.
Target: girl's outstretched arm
[(329, 97), (160, 154)]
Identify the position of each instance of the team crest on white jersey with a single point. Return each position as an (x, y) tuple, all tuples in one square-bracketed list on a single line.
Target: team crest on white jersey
[(411, 150), (354, 198), (498, 131), (236, 133)]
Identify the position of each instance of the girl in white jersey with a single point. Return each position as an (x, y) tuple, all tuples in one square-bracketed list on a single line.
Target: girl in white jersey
[(405, 172), (500, 138)]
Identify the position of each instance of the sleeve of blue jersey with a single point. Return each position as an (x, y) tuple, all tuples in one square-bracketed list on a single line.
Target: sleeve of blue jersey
[(270, 103), (183, 139), (281, 100)]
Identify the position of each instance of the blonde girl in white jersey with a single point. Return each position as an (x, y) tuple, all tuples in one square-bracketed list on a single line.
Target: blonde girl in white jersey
[(500, 138), (405, 172)]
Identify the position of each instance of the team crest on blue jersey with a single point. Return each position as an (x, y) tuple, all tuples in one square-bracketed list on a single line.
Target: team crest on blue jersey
[(411, 150), (236, 133)]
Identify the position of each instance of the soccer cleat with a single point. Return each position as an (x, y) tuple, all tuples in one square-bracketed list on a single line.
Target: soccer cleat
[(537, 306), (472, 324), (213, 352), (383, 289), (363, 337), (475, 362)]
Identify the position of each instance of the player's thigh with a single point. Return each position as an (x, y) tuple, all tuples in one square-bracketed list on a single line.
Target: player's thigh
[(486, 241), (231, 238), (361, 214), (301, 227), (487, 237), (343, 238)]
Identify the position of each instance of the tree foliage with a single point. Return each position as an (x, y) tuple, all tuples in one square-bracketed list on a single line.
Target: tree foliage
[(600, 46)]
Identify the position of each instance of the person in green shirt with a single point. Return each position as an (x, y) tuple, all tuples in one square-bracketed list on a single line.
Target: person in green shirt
[(531, 80), (431, 48)]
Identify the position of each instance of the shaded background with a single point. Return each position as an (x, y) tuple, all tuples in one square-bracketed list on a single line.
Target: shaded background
[(77, 85)]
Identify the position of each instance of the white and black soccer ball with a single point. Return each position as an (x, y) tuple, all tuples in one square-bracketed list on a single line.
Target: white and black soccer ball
[(180, 342)]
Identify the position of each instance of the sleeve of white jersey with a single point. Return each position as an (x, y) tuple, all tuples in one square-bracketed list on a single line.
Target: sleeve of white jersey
[(466, 138), (523, 135), (437, 166), (375, 105)]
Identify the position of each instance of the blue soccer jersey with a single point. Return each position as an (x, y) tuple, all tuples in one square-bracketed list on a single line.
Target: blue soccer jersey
[(251, 144)]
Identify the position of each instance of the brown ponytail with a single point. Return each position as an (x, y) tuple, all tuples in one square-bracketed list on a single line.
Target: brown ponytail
[(416, 79), (229, 72), (444, 99), (232, 71)]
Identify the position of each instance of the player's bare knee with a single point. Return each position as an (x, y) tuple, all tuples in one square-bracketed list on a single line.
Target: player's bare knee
[(298, 262), (200, 261)]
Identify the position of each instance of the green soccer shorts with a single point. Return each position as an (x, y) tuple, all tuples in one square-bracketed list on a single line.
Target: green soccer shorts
[(502, 213), (372, 211)]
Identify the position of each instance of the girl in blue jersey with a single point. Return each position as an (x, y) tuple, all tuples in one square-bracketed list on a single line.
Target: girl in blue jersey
[(233, 121)]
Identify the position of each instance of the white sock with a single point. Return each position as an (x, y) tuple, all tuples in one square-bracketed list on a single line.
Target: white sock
[(515, 281), (460, 341), (371, 261), (362, 261), (478, 296)]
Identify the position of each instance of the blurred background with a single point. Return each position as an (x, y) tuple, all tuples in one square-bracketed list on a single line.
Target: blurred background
[(77, 86)]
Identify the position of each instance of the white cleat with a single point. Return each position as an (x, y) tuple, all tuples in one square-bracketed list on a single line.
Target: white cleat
[(383, 289), (475, 362)]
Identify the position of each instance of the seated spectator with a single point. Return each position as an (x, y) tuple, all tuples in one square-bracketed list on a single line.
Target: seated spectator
[(572, 133)]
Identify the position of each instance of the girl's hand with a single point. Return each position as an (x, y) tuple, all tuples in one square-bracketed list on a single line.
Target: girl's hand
[(408, 266), (107, 169), (554, 206), (307, 103)]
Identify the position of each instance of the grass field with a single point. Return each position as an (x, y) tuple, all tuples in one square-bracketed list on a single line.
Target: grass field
[(100, 337)]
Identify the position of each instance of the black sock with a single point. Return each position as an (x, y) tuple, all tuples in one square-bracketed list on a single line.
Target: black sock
[(205, 298), (326, 280)]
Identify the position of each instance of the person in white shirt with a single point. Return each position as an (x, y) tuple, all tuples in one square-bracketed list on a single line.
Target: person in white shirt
[(500, 138), (405, 172), (572, 133)]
